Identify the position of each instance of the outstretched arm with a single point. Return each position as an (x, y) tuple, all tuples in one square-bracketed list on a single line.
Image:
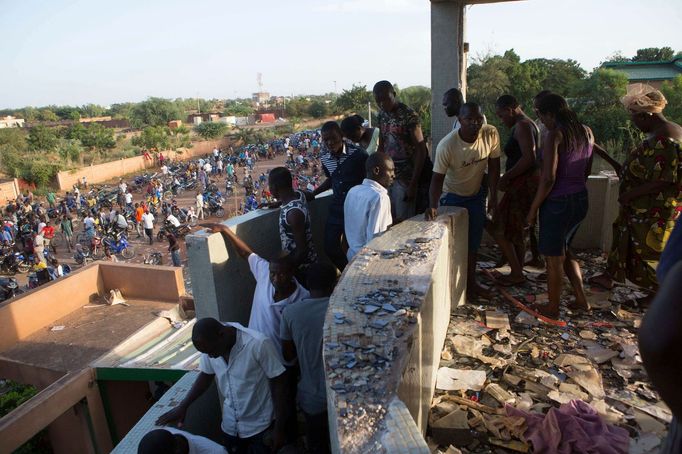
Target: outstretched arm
[(242, 248)]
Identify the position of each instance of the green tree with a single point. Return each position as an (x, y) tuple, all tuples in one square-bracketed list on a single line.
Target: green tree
[(419, 99), (14, 137), (672, 90), (155, 112), (354, 100), (598, 106), (97, 136), (153, 138), (70, 150), (180, 137), (211, 130), (92, 110), (654, 54), (122, 111), (42, 138), (46, 114), (238, 109), (318, 109)]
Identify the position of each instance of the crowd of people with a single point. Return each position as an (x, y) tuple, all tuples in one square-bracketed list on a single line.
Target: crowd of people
[(384, 175)]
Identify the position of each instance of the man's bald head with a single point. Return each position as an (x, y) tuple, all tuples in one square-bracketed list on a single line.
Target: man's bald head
[(206, 329), (380, 168)]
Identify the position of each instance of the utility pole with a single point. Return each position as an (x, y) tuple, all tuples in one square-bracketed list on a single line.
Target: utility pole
[(369, 113)]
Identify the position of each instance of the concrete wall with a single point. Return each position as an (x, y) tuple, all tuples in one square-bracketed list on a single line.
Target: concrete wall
[(109, 170), (595, 232), (20, 317), (447, 36), (222, 284), (391, 410), (9, 190)]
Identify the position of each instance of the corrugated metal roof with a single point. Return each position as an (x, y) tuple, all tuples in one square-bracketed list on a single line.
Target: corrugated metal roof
[(156, 346), (663, 70)]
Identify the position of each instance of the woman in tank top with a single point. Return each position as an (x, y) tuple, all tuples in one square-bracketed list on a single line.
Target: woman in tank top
[(561, 198)]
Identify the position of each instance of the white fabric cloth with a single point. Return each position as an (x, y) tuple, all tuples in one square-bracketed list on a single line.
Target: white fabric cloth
[(129, 198), (367, 213), (173, 220), (197, 444), (244, 382), (121, 222), (148, 221), (266, 313)]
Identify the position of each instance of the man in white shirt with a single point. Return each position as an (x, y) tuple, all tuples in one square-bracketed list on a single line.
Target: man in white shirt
[(246, 367), (39, 247), (148, 224), (121, 222), (200, 205), (276, 288), (367, 209), (173, 220), (164, 169), (122, 186), (170, 440), (129, 200), (207, 168)]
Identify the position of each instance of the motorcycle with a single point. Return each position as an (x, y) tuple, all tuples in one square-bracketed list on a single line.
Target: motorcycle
[(153, 258), (119, 245), (179, 232), (9, 288), (14, 262)]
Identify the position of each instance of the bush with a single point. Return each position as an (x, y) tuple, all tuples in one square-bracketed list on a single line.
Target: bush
[(211, 130)]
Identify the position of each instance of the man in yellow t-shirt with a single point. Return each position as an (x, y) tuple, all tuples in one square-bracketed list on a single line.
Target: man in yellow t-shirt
[(461, 160)]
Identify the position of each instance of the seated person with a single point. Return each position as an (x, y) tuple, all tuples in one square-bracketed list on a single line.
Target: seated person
[(173, 441)]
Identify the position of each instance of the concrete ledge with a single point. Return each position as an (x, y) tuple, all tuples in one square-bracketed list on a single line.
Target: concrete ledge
[(385, 329), (222, 283)]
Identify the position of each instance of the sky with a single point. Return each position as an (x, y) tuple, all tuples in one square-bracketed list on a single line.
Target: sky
[(76, 52)]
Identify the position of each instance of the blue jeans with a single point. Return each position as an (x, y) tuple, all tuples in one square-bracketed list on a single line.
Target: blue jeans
[(560, 218), (475, 205), (175, 256)]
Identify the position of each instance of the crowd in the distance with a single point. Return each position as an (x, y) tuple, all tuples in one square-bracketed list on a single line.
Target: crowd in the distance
[(384, 175)]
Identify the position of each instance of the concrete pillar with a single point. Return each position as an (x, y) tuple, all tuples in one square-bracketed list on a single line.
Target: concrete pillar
[(447, 41)]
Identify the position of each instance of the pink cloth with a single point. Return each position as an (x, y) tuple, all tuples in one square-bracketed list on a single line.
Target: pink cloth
[(572, 428)]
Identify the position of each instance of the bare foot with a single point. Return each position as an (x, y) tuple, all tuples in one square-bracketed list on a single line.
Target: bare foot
[(601, 280), (579, 307), (546, 311)]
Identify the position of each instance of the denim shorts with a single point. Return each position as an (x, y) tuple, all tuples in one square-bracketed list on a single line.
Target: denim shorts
[(475, 205), (560, 218)]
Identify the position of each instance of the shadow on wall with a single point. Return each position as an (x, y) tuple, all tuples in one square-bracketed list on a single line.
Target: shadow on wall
[(222, 283)]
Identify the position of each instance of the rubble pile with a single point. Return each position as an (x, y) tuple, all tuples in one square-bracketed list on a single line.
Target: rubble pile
[(510, 383)]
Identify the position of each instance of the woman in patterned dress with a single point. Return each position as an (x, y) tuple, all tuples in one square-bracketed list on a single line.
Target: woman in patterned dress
[(650, 193)]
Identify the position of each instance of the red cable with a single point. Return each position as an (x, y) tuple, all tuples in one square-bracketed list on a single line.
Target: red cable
[(522, 306)]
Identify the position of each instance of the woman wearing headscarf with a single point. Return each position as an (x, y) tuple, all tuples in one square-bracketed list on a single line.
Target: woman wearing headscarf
[(650, 193)]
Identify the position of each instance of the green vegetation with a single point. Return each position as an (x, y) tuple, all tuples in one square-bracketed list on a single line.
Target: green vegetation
[(13, 395), (211, 130)]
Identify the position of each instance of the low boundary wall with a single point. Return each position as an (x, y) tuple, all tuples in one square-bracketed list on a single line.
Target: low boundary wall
[(109, 170), (385, 329), (9, 190)]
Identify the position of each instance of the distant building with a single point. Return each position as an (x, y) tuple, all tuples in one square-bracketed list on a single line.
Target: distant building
[(198, 118), (653, 73), (11, 122), (261, 97), (174, 124)]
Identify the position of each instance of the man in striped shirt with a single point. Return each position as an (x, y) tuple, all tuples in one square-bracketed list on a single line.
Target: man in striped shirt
[(344, 165)]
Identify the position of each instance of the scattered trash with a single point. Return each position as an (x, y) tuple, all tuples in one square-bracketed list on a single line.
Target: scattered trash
[(457, 379), (585, 373), (58, 328)]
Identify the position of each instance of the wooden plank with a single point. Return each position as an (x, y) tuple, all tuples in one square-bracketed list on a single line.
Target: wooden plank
[(18, 426)]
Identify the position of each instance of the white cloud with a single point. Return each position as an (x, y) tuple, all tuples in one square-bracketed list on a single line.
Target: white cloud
[(374, 6)]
